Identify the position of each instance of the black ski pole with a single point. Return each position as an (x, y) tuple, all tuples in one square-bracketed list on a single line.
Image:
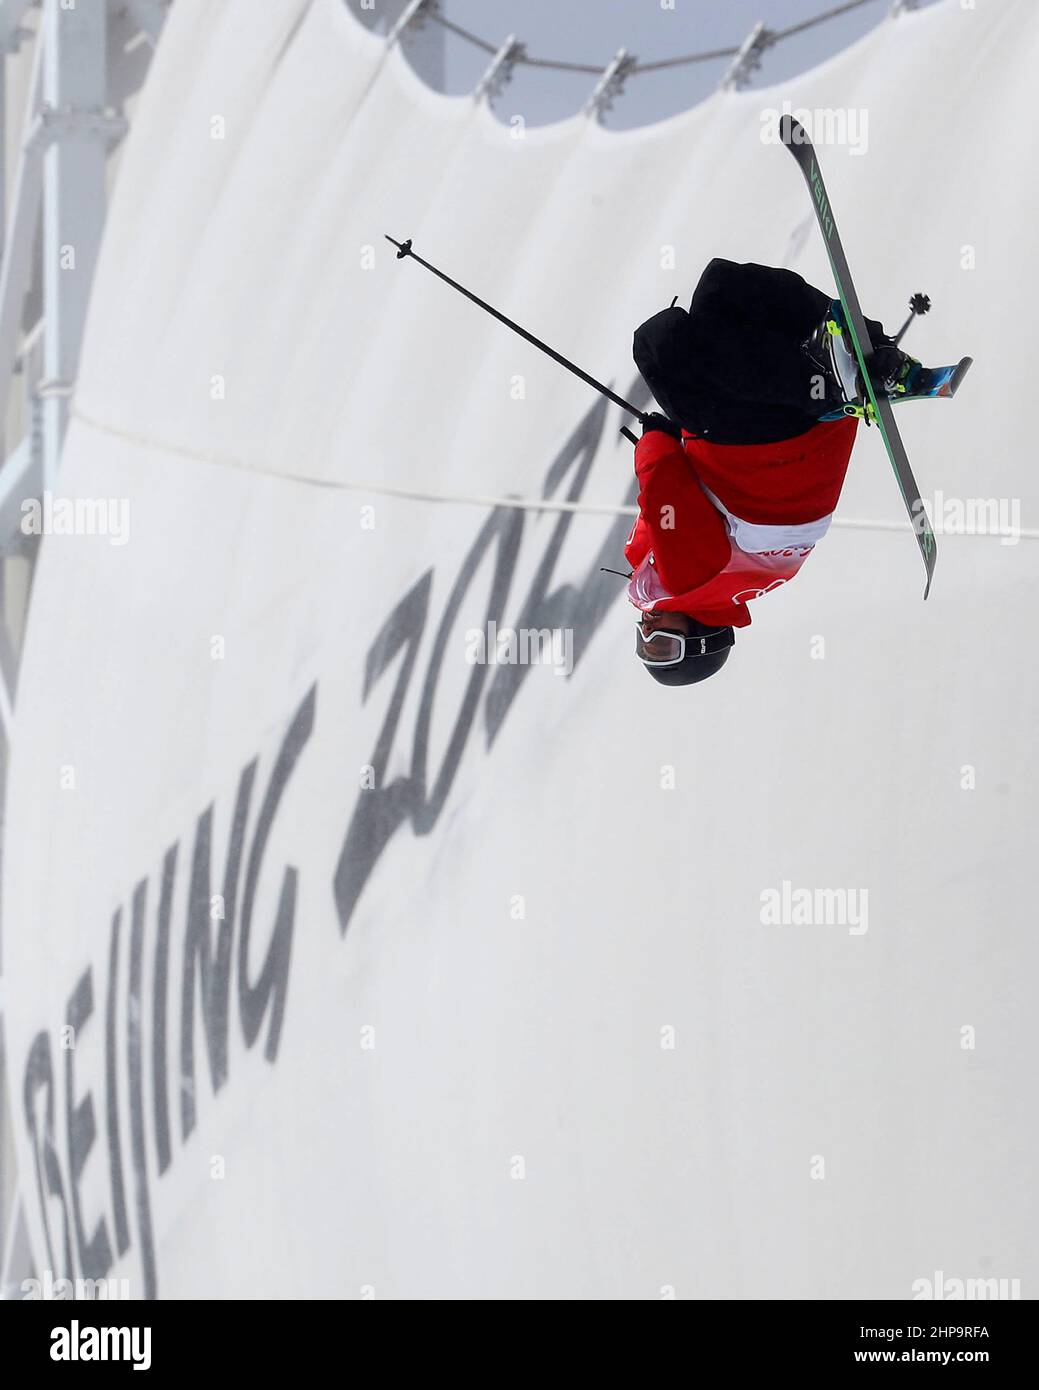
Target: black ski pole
[(404, 249), (918, 304)]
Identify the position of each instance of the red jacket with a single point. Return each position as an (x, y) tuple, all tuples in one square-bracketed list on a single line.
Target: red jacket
[(684, 549)]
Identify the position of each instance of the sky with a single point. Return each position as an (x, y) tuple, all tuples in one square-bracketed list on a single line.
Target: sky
[(591, 31)]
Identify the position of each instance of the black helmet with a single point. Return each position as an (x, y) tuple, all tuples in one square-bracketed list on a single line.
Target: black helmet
[(696, 656)]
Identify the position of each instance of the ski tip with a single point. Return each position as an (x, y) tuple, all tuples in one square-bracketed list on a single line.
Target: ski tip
[(961, 371), (929, 563), (791, 132)]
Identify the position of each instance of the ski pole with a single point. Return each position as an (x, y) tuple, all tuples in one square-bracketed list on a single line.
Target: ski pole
[(404, 249), (918, 304)]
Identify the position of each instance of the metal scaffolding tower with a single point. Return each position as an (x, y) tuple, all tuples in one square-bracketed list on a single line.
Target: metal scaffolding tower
[(79, 62)]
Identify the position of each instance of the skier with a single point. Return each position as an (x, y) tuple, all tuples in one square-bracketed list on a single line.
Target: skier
[(761, 391), (739, 477)]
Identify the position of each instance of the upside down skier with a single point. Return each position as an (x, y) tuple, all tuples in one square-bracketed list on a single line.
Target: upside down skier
[(760, 391), (740, 475)]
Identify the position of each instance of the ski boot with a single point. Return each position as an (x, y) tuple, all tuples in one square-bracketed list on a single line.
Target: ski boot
[(829, 348)]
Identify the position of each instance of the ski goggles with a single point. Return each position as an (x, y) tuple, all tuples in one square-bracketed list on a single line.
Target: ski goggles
[(663, 648)]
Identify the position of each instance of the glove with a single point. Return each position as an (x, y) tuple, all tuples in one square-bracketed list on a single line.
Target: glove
[(656, 421)]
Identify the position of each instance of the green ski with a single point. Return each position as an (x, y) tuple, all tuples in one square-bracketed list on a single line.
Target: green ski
[(800, 146)]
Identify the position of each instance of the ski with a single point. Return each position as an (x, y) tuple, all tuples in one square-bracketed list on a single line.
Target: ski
[(794, 136), (922, 384), (938, 383)]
